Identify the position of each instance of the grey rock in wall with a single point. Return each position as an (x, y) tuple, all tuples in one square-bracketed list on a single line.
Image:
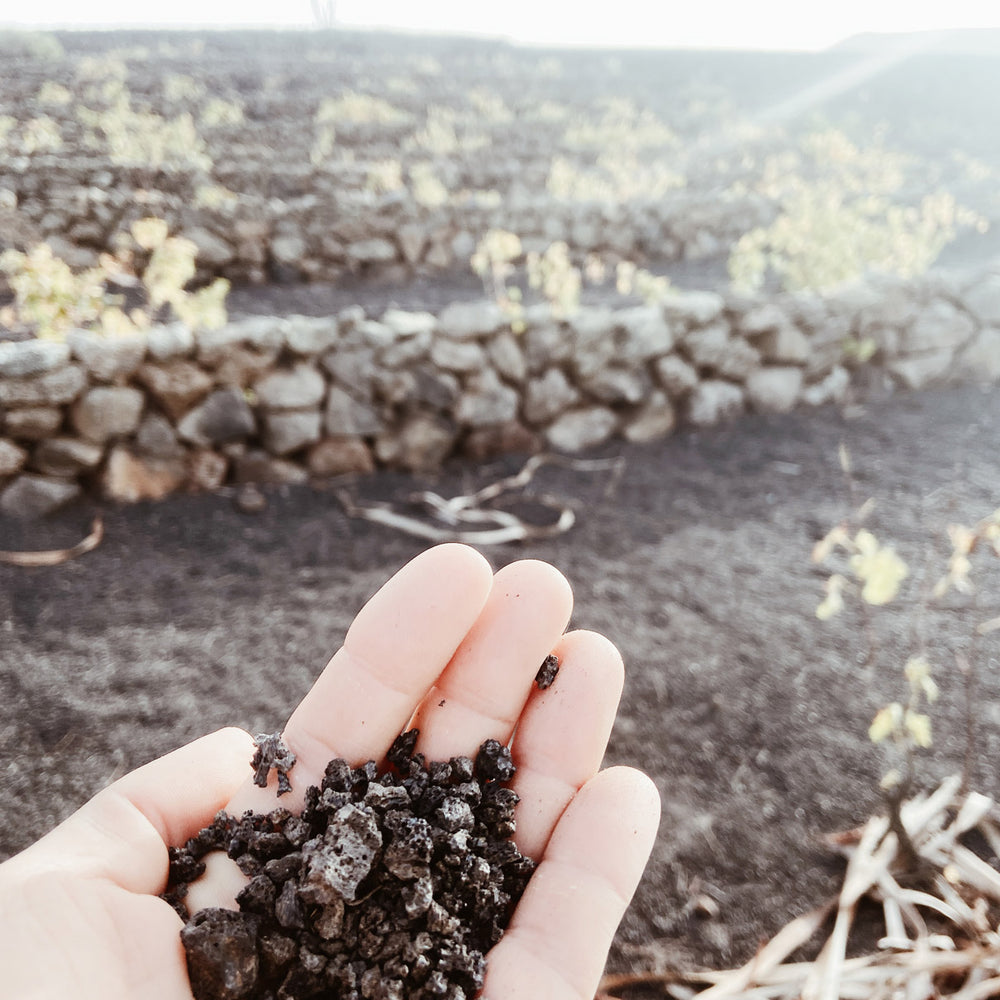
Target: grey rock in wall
[(31, 357), (31, 496), (107, 412), (713, 401), (579, 429), (223, 417), (53, 388)]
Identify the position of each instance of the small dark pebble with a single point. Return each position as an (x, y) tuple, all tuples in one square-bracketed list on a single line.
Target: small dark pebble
[(271, 753), (547, 671), (392, 884)]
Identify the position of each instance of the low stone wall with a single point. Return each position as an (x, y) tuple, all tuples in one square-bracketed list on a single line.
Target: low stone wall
[(285, 400), (326, 225)]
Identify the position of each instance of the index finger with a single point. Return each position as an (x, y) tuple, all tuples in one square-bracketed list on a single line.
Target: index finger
[(398, 645)]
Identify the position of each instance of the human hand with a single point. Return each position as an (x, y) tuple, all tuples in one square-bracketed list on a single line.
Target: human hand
[(445, 646)]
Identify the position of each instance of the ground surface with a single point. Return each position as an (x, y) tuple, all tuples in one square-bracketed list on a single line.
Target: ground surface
[(749, 713)]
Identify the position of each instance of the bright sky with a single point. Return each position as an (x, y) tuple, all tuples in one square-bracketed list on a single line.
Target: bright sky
[(755, 24)]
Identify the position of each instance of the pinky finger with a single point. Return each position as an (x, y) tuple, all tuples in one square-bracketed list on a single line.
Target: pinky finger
[(559, 937)]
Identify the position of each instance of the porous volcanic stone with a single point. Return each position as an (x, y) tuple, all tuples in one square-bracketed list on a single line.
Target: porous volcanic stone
[(156, 438), (693, 308), (53, 388), (335, 456), (223, 417), (12, 458), (713, 401), (299, 388), (465, 320), (421, 443), (647, 333), (286, 431), (486, 401), (655, 419), (408, 324), (176, 386), (345, 415), (33, 423), (675, 375), (107, 412), (774, 389), (581, 429), (35, 496), (66, 456), (108, 359), (502, 439), (171, 340), (32, 357), (392, 884), (309, 336), (129, 478), (549, 395)]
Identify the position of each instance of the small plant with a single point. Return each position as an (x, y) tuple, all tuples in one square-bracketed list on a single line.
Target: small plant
[(428, 189), (41, 135), (219, 112), (215, 197), (53, 93), (50, 300), (357, 109), (493, 261), (554, 275), (633, 280), (839, 217), (874, 572), (132, 137), (179, 88)]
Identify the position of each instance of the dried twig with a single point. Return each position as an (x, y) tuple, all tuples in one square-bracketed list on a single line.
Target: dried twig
[(52, 557), (459, 518), (941, 941)]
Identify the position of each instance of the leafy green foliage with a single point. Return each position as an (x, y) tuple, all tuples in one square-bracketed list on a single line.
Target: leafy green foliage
[(874, 572), (633, 280), (840, 217), (493, 261), (554, 275), (133, 137), (50, 300), (48, 297)]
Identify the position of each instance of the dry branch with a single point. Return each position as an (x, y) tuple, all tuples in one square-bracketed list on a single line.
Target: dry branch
[(462, 518), (52, 557), (941, 941)]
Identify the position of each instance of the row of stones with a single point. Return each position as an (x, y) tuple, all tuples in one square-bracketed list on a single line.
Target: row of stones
[(325, 236), (268, 399)]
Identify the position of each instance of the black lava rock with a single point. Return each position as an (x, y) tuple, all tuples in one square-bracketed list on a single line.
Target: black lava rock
[(547, 671), (392, 884)]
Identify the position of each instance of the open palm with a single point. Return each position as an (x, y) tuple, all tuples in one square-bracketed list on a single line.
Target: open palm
[(446, 646)]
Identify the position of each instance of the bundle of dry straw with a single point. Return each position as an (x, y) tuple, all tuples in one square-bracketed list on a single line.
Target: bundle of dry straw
[(941, 934)]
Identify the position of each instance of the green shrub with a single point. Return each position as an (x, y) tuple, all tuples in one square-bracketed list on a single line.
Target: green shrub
[(50, 300), (839, 218)]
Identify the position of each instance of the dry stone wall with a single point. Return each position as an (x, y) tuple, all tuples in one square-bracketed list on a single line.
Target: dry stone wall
[(292, 399)]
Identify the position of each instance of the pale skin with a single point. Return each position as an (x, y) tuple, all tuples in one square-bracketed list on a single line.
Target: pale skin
[(446, 645)]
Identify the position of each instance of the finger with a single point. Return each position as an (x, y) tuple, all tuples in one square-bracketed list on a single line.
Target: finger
[(558, 939), (483, 690), (123, 832), (400, 642), (563, 733)]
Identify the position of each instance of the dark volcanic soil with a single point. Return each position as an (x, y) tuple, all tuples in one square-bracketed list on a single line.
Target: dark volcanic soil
[(749, 713)]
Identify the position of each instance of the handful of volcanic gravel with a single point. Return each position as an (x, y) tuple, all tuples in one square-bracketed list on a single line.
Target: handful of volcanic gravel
[(391, 885)]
